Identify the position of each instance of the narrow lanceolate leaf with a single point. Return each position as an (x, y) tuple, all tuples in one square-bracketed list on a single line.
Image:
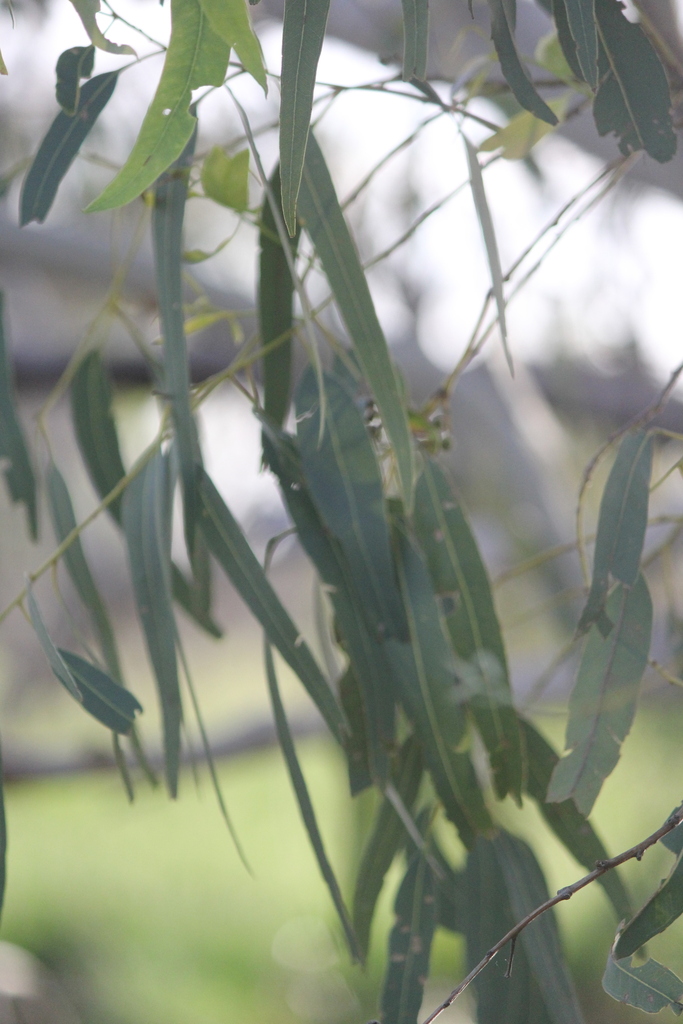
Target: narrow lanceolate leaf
[(602, 704), (565, 37), (230, 20), (621, 525), (195, 57), (194, 596), (650, 986), (344, 478), (581, 18), (3, 838), (147, 524), (74, 64), (410, 944), (387, 836), (566, 821), (321, 216), (106, 700), (459, 576), (661, 910), (511, 65), (425, 674), (87, 11), (486, 223), (358, 762), (303, 33), (286, 742), (415, 39), (57, 663), (275, 308), (64, 521), (91, 400), (633, 99), (13, 449), (229, 546), (58, 149)]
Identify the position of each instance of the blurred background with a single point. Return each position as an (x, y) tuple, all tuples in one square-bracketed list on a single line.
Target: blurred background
[(143, 913)]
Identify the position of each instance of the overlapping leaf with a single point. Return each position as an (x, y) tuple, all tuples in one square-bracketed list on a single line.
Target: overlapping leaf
[(415, 39), (74, 64), (603, 702), (662, 909), (581, 21), (502, 32), (230, 20), (87, 11), (225, 179), (565, 37), (106, 700), (358, 761), (13, 449), (650, 986)]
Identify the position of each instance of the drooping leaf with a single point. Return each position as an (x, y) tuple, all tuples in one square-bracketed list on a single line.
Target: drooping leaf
[(581, 21), (566, 821), (196, 56), (323, 220), (633, 99), (106, 700), (410, 944), (147, 509), (229, 546), (502, 33), (520, 135), (64, 521), (13, 449), (343, 476), (3, 838), (75, 63), (385, 840), (621, 525), (3, 71), (91, 400), (230, 20), (225, 179), (57, 663), (58, 149), (415, 39), (358, 763), (662, 909), (650, 986), (305, 806), (194, 596), (452, 893), (303, 33), (87, 11), (603, 701), (275, 308), (459, 575), (565, 37)]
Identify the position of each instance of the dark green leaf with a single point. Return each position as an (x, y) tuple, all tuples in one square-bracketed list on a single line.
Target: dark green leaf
[(275, 307), (649, 986), (452, 894), (305, 806), (566, 821), (387, 836), (565, 37), (95, 429), (105, 699), (661, 910), (674, 840), (195, 596), (581, 20), (351, 699), (64, 521), (58, 149), (458, 573), (603, 701), (502, 33), (410, 944), (415, 39), (621, 525), (303, 33), (633, 100), (229, 546), (57, 663), (322, 218), (13, 449), (75, 63), (147, 510), (345, 482)]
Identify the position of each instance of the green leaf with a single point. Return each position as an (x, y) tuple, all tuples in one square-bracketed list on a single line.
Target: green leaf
[(581, 20), (520, 135), (649, 986), (410, 944), (147, 510), (195, 57), (275, 308), (502, 24), (303, 33), (344, 478), (452, 894), (621, 525), (662, 909), (75, 63), (64, 521), (566, 821), (106, 700), (13, 449), (633, 100), (565, 37), (3, 71), (229, 546), (57, 663), (225, 179), (322, 218), (425, 674), (3, 838), (673, 840), (305, 806), (385, 840), (415, 39), (91, 400), (194, 596), (459, 575), (351, 698), (230, 20), (87, 11), (603, 702), (58, 149)]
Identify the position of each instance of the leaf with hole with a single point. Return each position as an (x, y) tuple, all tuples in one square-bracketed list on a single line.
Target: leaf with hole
[(14, 453), (225, 179), (650, 986), (74, 64)]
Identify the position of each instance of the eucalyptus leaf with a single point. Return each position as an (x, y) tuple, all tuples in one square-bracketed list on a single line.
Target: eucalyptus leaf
[(87, 11), (225, 179), (502, 32), (663, 908), (351, 698), (3, 835), (106, 700), (230, 20), (565, 37), (17, 468), (415, 39), (673, 840), (91, 401), (650, 986), (74, 64), (57, 663), (582, 24)]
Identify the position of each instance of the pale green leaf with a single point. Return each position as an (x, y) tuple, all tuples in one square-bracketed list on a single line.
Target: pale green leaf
[(520, 135), (225, 179), (87, 11), (230, 20)]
